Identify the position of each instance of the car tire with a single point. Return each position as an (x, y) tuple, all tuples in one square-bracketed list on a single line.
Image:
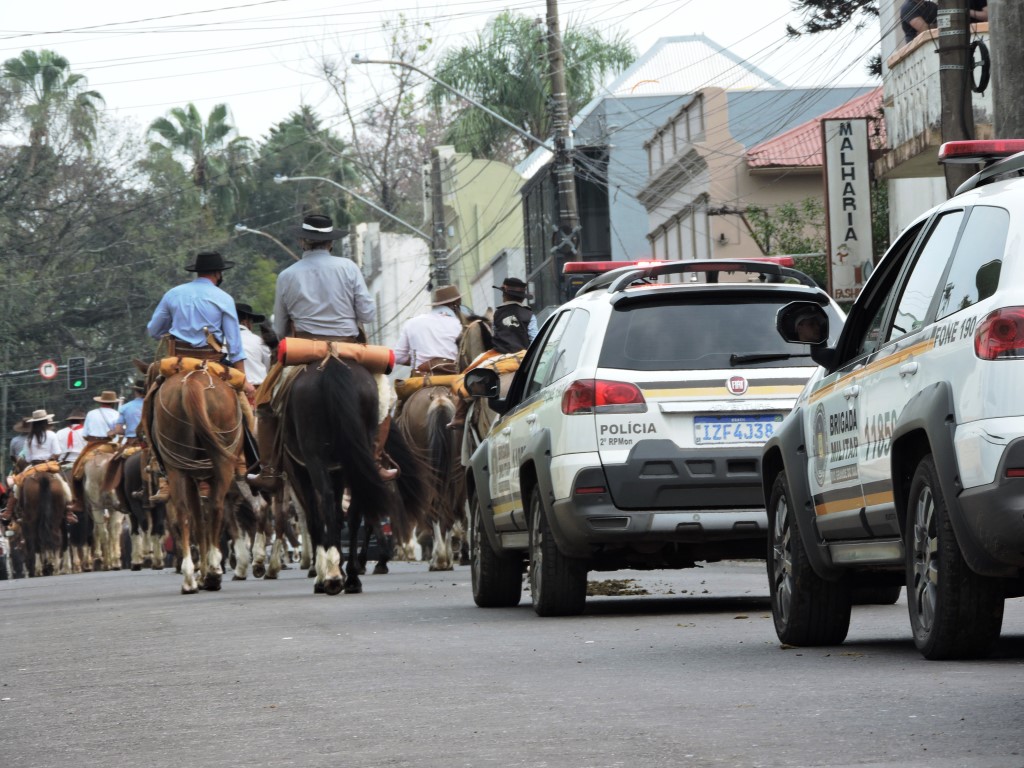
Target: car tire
[(807, 609), (954, 612), (558, 584), (497, 578)]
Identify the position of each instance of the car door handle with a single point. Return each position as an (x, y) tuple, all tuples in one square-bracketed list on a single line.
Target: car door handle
[(852, 392), (531, 419), (908, 369), (506, 431)]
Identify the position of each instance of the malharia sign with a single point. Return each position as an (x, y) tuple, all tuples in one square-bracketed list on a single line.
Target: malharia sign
[(848, 205)]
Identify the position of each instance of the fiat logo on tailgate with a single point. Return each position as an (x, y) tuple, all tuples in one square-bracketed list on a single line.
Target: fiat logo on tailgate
[(736, 385)]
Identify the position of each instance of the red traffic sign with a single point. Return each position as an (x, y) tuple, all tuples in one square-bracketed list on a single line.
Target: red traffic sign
[(48, 369)]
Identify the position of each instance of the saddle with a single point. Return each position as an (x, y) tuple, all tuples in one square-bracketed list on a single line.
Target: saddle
[(45, 466), (169, 366), (405, 388)]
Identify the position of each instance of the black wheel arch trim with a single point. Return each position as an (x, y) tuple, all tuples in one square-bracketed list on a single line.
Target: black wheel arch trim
[(538, 454), (932, 412), (480, 484), (790, 448)]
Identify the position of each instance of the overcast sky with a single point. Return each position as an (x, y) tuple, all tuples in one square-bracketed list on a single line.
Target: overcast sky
[(259, 57)]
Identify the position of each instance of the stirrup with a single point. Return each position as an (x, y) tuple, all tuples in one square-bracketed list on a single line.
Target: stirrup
[(267, 480)]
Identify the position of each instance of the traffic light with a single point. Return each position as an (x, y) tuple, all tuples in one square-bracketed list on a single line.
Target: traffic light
[(76, 373)]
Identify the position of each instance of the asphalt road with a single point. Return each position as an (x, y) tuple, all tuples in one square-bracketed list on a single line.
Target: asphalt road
[(118, 669)]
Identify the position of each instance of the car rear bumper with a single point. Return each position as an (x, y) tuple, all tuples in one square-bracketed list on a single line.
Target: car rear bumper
[(990, 527), (660, 475), (584, 524)]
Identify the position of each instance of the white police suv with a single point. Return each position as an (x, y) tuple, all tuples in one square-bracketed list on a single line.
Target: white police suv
[(903, 459), (631, 435)]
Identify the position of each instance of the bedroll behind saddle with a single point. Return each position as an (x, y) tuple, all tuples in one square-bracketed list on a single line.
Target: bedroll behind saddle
[(295, 351), (46, 466), (404, 388)]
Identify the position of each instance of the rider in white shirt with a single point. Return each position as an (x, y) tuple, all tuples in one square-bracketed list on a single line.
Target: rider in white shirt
[(71, 439)]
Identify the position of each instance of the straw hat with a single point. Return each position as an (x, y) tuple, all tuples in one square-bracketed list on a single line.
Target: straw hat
[(39, 414), (108, 398), (446, 294)]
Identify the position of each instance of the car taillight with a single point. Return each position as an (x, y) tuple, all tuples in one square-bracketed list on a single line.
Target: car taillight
[(588, 395), (1000, 336)]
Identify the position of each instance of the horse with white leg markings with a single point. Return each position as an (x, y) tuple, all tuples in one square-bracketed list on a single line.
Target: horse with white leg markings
[(102, 506)]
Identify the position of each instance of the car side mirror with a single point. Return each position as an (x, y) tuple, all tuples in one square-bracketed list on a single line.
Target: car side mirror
[(482, 382), (802, 322)]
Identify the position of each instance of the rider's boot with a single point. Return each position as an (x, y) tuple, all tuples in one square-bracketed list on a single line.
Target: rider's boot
[(77, 492), (163, 491), (269, 478), (459, 419), (386, 467)]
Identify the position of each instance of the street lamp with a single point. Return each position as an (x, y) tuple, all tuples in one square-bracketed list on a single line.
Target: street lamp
[(241, 229), (357, 59), (279, 179)]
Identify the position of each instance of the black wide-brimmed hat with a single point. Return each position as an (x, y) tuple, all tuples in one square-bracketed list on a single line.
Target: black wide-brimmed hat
[(317, 227), (209, 261), (244, 310), (139, 385), (515, 288), (76, 415)]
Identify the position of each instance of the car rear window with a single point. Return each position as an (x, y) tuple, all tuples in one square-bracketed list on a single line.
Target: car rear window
[(661, 336)]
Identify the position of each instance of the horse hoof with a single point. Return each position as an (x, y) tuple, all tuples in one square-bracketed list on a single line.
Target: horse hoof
[(380, 569), (353, 589), (147, 562), (136, 566), (236, 577), (259, 571), (270, 576), (318, 588), (212, 583), (333, 587), (311, 573), (189, 591)]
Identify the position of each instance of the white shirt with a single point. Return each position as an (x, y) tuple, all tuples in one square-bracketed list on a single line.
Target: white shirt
[(257, 357), (70, 442), (35, 451), (323, 295), (99, 421), (435, 334)]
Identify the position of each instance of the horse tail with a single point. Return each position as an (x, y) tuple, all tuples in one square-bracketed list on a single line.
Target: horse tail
[(413, 486), (440, 441), (47, 529), (193, 401), (340, 395)]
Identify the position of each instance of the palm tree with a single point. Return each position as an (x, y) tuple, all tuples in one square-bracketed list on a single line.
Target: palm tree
[(218, 161), (507, 69), (54, 97)]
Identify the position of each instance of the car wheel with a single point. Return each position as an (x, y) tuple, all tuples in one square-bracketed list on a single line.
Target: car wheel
[(558, 584), (954, 612), (807, 609), (497, 578)]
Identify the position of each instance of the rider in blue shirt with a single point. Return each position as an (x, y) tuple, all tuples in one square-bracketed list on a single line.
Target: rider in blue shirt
[(130, 414), (187, 311)]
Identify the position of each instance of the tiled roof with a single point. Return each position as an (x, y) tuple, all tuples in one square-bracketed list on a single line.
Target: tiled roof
[(800, 147)]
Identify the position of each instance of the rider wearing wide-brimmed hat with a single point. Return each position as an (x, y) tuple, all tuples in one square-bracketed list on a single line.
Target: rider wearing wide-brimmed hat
[(199, 317), (97, 431), (40, 447), (319, 297), (71, 439), (257, 353)]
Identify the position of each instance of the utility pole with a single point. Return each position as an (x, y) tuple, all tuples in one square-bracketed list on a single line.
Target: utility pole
[(439, 272), (955, 83), (1006, 25), (566, 240)]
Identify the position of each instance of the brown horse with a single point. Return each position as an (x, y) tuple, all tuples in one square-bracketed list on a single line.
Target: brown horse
[(329, 423), (41, 502), (422, 423), (197, 433)]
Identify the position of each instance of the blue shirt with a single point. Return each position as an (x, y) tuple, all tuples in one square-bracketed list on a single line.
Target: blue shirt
[(186, 309), (130, 415)]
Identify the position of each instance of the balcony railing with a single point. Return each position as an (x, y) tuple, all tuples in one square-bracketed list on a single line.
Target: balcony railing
[(913, 108)]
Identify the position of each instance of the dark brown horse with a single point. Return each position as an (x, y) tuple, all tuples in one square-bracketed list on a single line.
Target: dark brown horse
[(423, 423), (147, 521), (197, 432), (329, 424), (42, 503)]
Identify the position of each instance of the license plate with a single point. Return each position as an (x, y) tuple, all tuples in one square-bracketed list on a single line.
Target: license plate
[(734, 429)]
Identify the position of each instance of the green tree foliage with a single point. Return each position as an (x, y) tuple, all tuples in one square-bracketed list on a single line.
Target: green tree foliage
[(830, 15), (793, 228), (218, 160), (506, 68)]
